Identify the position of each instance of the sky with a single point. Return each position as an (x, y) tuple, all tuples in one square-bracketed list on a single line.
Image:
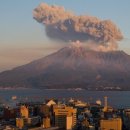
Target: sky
[(23, 40)]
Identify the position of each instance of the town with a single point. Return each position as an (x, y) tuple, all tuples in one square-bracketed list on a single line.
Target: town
[(69, 114)]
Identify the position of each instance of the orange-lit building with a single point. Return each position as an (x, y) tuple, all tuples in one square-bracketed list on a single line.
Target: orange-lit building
[(111, 124), (46, 122), (27, 118), (24, 111), (65, 117), (20, 122)]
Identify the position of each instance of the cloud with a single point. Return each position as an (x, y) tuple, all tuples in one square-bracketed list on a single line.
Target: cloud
[(66, 26)]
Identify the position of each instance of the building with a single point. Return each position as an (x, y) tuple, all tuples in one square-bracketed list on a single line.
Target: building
[(24, 111), (126, 118), (111, 124), (20, 122), (27, 111), (8, 113), (44, 111), (50, 102), (28, 122), (26, 117), (46, 122), (65, 117)]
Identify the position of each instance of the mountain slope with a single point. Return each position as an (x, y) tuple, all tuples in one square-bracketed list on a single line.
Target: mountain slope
[(73, 67)]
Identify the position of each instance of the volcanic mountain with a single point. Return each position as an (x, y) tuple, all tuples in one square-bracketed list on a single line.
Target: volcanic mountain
[(73, 67)]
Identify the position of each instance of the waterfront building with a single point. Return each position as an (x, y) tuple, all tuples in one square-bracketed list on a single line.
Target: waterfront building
[(65, 117)]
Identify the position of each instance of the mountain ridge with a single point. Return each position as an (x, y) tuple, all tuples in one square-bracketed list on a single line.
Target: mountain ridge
[(73, 67)]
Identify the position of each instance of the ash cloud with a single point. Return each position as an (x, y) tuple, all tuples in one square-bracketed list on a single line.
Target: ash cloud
[(66, 26)]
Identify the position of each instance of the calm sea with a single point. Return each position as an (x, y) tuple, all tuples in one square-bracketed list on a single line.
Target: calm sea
[(115, 98)]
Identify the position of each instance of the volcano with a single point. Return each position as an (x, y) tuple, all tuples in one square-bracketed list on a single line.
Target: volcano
[(73, 67)]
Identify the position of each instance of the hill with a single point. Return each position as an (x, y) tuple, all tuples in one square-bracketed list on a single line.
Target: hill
[(73, 67)]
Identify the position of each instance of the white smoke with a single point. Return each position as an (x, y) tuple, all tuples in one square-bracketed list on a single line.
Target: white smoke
[(90, 45)]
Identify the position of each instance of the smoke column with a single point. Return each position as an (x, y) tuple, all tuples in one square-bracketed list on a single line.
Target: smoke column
[(62, 25)]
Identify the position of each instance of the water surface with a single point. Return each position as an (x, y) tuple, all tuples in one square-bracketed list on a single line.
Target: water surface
[(115, 98)]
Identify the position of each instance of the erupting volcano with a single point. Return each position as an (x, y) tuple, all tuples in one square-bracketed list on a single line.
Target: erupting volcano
[(73, 67)]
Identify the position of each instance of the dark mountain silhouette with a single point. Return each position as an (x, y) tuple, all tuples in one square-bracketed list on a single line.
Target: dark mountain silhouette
[(73, 67)]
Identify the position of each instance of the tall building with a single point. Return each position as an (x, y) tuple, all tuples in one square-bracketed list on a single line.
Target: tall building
[(24, 111), (105, 104), (65, 117), (111, 124)]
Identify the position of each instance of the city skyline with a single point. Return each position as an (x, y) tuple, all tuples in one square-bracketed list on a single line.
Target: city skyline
[(23, 39)]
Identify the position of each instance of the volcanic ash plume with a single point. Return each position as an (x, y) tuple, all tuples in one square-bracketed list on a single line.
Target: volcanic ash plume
[(65, 26)]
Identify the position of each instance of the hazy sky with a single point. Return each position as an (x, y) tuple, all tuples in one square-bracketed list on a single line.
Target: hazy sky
[(22, 39)]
